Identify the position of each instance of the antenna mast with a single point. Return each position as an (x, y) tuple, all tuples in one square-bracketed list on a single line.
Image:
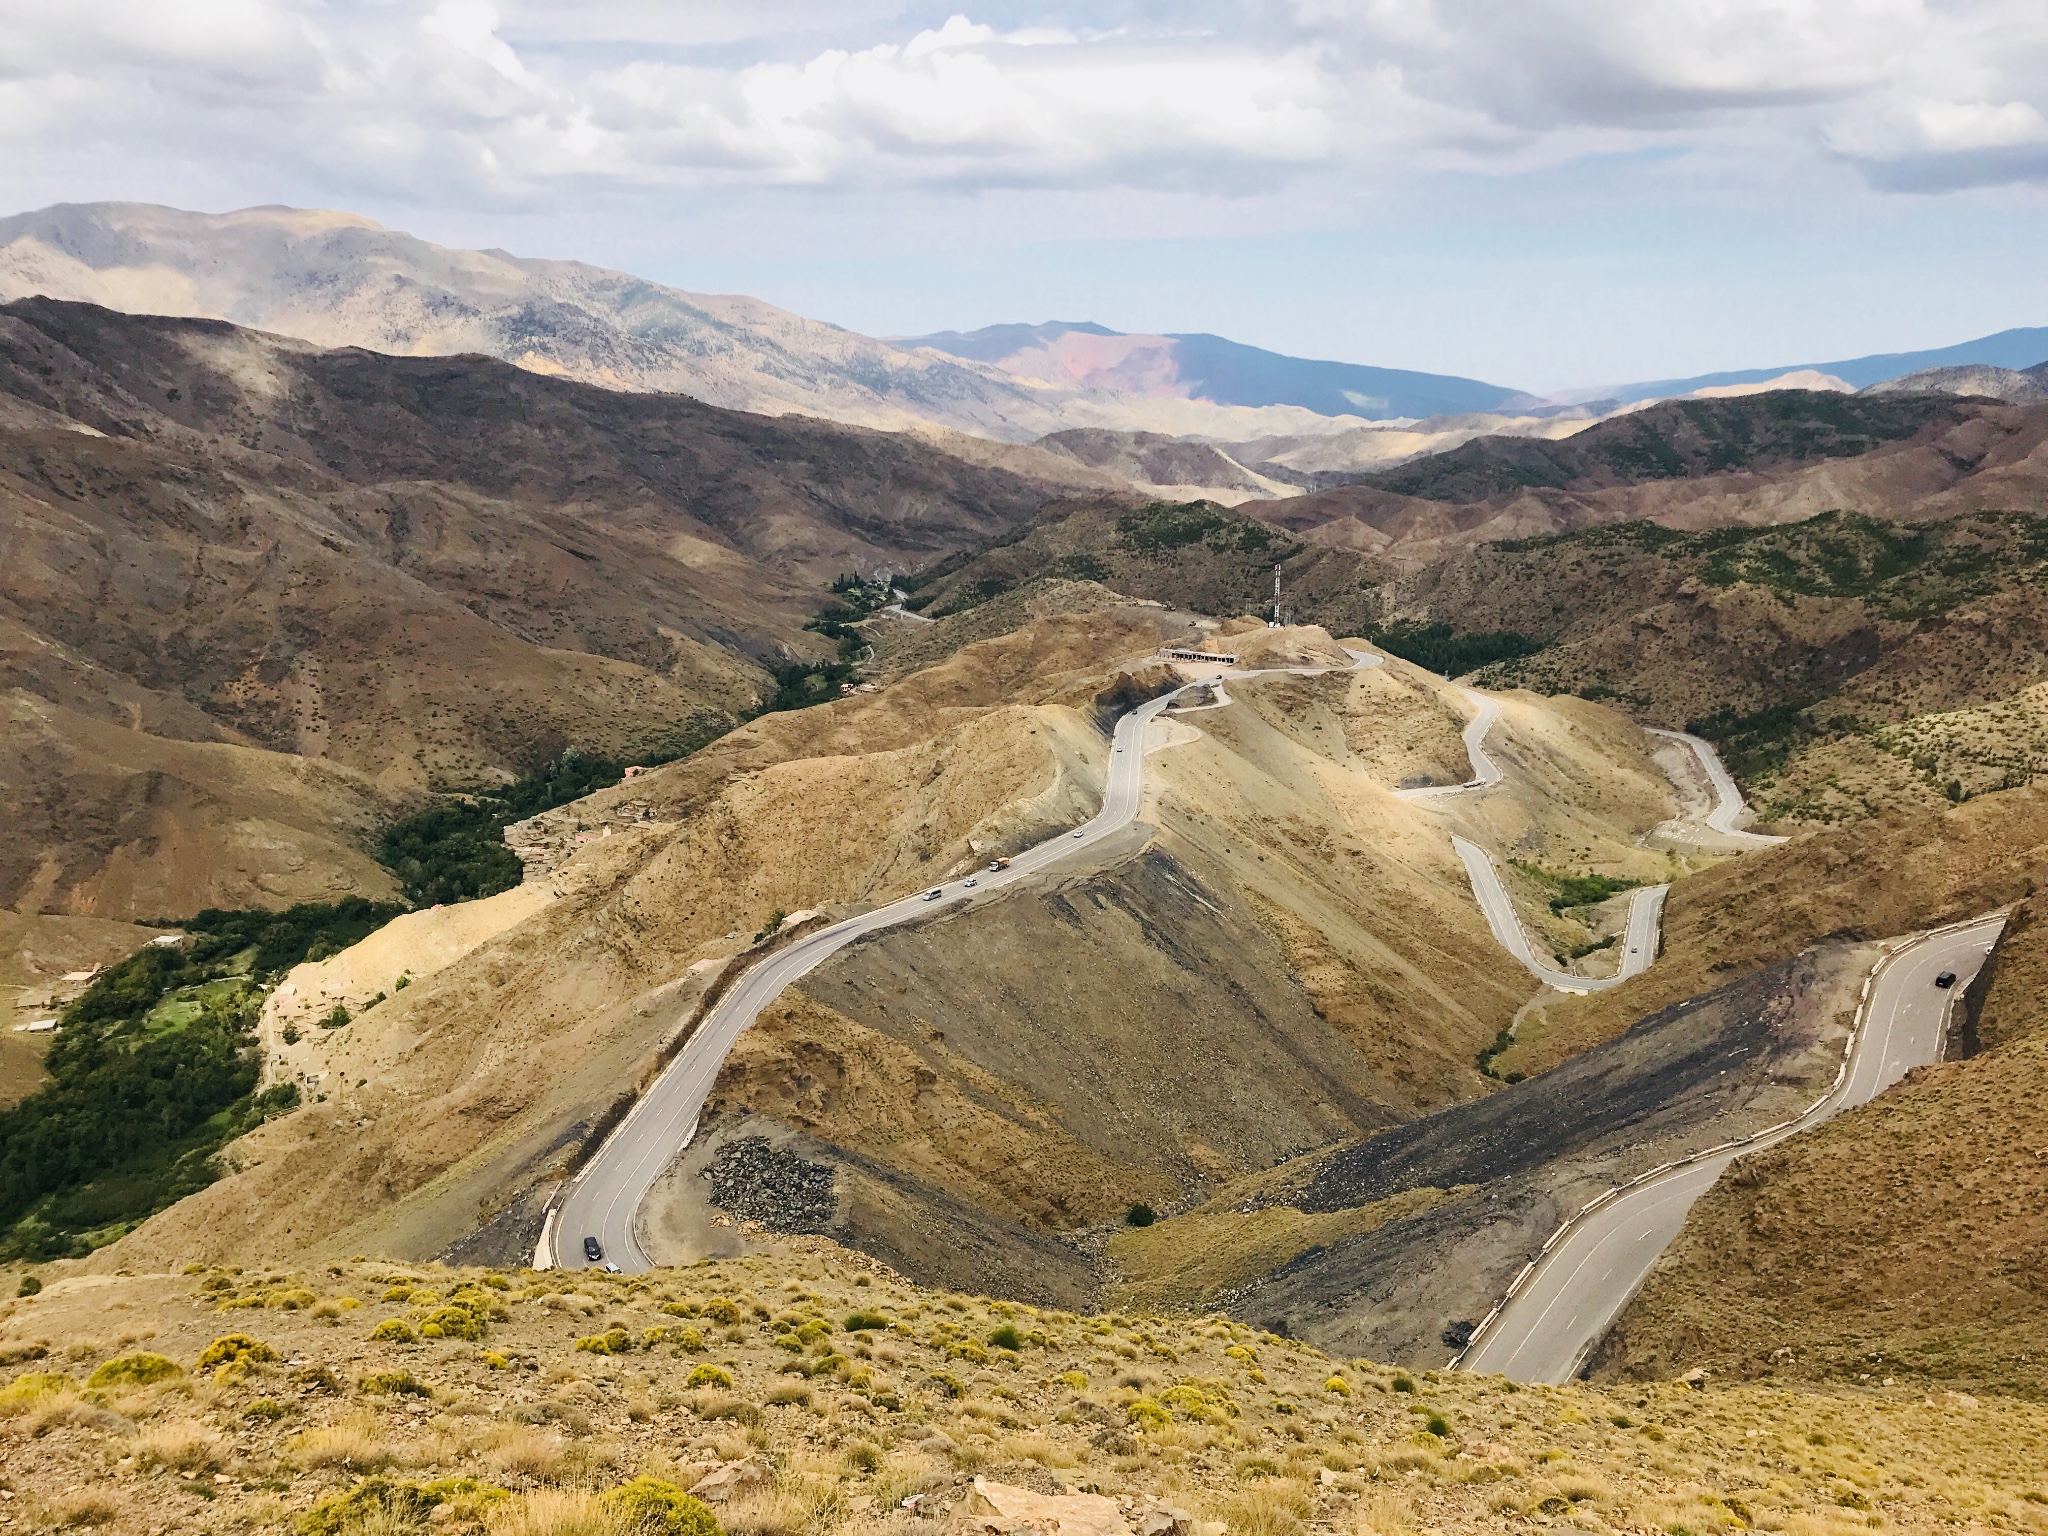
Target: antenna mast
[(1274, 623)]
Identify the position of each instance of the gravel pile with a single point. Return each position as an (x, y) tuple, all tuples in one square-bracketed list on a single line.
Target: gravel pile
[(783, 1192)]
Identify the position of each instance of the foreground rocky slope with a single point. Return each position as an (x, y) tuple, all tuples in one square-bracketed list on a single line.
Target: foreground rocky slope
[(816, 1393)]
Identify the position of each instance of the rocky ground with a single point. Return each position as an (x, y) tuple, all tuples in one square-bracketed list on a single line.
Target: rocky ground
[(778, 1189), (813, 1393)]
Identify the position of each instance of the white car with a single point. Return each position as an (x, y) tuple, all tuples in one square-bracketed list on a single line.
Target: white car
[(934, 893), (969, 881)]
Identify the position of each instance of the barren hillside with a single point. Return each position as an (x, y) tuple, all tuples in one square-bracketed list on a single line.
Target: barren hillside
[(1760, 460), (1290, 960), (259, 596)]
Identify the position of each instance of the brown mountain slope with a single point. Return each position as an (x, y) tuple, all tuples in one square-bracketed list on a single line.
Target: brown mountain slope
[(452, 1100), (1839, 882), (1295, 960), (1968, 456), (417, 572), (1903, 1241)]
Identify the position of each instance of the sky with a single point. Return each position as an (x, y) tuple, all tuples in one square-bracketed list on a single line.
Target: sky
[(1541, 193)]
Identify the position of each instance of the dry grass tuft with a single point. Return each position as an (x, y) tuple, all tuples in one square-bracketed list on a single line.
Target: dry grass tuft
[(521, 1451), (352, 1444), (85, 1507), (559, 1512), (188, 1445)]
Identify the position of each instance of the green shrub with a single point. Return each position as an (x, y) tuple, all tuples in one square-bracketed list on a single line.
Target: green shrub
[(393, 1330), (1436, 1424), (33, 1385), (858, 1321), (394, 1384), (30, 1286), (708, 1375), (136, 1370), (456, 1321), (234, 1349), (652, 1507), (385, 1501), (1145, 1413), (613, 1341), (264, 1410), (335, 1019), (723, 1309), (1006, 1337), (1140, 1215), (1403, 1384)]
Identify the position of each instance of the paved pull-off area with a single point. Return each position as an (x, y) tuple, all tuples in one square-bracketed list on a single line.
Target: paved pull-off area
[(1566, 1302), (603, 1201)]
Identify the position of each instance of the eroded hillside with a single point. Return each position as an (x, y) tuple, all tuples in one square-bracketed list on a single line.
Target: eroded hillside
[(1282, 956), (1293, 961), (261, 597), (449, 1103)]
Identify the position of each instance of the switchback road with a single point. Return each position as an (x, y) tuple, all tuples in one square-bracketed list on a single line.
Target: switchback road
[(604, 1200), (1576, 1290), (1638, 939), (1728, 809)]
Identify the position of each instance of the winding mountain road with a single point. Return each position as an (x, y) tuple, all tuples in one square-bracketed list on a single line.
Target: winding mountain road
[(604, 1199), (1485, 771), (1568, 1300), (1729, 809), (1638, 941)]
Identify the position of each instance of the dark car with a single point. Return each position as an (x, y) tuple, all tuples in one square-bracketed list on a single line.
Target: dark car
[(593, 1250), (1945, 979)]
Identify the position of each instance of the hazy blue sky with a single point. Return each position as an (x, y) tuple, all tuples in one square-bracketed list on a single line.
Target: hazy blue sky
[(1537, 192)]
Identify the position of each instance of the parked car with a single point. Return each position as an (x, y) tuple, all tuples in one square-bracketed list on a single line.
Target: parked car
[(1945, 979), (593, 1250)]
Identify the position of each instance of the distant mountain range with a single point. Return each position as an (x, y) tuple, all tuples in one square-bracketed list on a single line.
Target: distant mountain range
[(2017, 349), (338, 279), (1198, 366)]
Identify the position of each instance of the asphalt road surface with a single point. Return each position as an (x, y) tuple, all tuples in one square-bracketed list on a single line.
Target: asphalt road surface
[(1728, 804), (604, 1200), (1577, 1291), (1638, 940), (1484, 770)]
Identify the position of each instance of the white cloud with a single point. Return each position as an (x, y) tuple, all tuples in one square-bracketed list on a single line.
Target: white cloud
[(458, 99)]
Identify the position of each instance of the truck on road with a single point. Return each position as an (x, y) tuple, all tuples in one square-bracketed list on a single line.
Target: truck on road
[(996, 864)]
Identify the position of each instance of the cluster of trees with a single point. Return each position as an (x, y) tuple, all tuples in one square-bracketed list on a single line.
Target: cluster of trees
[(455, 850), (152, 1071), (1440, 649)]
